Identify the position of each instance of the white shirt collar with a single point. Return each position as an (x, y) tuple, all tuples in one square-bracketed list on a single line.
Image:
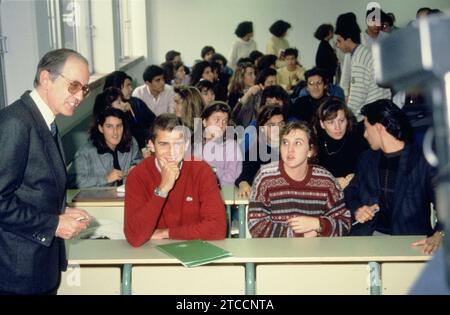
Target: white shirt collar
[(46, 112)]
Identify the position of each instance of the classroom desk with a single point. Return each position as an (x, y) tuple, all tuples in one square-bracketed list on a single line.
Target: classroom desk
[(105, 203), (336, 265)]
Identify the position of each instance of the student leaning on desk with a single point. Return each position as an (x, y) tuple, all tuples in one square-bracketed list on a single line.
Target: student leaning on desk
[(169, 196)]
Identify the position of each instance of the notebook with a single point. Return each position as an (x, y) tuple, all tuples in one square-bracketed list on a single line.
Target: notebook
[(194, 253)]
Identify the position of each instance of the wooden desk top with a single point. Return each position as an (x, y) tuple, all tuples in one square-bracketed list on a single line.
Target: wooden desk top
[(274, 250)]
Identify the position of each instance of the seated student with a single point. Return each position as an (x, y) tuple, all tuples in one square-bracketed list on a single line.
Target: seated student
[(207, 53), (175, 74), (226, 72), (291, 74), (202, 71), (293, 198), (266, 61), (109, 155), (339, 144), (245, 110), (221, 151), (220, 82), (169, 196), (305, 107), (188, 105), (271, 95), (155, 93), (139, 116), (206, 89), (242, 80), (264, 149), (301, 89), (394, 186)]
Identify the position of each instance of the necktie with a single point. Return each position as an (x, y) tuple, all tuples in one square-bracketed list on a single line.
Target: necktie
[(54, 129)]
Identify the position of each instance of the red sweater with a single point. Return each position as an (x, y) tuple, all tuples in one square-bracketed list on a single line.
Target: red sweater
[(193, 209)]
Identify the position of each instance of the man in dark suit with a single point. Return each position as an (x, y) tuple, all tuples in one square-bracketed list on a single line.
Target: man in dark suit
[(394, 186), (34, 220)]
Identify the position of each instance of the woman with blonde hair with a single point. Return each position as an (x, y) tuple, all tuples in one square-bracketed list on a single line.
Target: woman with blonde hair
[(242, 80), (188, 104)]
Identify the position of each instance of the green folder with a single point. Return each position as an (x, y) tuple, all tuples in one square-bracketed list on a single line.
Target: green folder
[(194, 253)]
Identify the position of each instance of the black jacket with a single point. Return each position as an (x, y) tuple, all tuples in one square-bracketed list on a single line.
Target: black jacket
[(32, 195), (414, 191)]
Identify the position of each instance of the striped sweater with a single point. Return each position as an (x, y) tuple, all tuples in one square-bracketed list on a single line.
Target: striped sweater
[(363, 88), (275, 198)]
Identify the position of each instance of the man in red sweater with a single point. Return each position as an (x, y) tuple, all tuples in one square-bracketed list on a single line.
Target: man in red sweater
[(169, 197)]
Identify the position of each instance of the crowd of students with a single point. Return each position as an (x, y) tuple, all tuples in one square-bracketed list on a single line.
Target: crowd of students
[(323, 152)]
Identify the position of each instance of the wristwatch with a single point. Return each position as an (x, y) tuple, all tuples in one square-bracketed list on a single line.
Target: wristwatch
[(159, 193)]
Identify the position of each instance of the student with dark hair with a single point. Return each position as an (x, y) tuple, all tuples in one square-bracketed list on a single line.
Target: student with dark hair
[(244, 45), (255, 56), (207, 53), (326, 56), (220, 87), (264, 148), (303, 200), (202, 71), (173, 56), (219, 149), (245, 110), (267, 61), (305, 107), (110, 153), (291, 74), (302, 89), (389, 23), (170, 196), (274, 94), (226, 72), (394, 186), (339, 143), (138, 115), (363, 88), (422, 12), (154, 92), (206, 89), (179, 75), (278, 42)]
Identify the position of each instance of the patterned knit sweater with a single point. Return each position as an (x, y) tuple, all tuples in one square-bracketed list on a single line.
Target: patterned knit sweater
[(275, 198)]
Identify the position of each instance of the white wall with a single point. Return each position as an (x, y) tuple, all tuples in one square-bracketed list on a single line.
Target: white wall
[(188, 25)]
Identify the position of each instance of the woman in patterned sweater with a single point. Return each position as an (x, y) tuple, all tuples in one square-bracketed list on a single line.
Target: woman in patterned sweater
[(292, 198)]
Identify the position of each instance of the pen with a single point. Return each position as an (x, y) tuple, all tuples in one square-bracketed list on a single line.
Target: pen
[(374, 211), (82, 219)]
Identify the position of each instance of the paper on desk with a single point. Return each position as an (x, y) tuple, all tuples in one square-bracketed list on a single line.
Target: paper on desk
[(121, 188)]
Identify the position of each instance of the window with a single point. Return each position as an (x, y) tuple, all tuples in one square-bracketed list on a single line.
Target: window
[(124, 20), (70, 24)]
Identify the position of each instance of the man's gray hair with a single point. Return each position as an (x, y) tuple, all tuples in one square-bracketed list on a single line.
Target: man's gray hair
[(54, 62)]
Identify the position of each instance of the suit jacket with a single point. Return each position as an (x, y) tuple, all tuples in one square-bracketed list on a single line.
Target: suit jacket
[(414, 192), (32, 196)]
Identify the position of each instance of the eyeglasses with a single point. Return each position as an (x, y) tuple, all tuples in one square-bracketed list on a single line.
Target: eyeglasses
[(317, 83), (75, 86)]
